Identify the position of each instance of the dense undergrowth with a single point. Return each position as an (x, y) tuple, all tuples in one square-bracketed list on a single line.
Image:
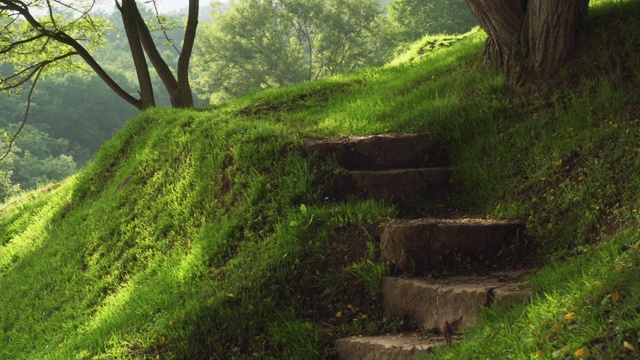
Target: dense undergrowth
[(200, 234)]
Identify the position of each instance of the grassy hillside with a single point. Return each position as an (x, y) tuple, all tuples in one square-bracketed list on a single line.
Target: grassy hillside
[(200, 234)]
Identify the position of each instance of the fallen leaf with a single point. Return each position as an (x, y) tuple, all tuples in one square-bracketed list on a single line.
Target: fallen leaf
[(569, 316), (614, 297), (628, 346), (560, 352), (582, 353)]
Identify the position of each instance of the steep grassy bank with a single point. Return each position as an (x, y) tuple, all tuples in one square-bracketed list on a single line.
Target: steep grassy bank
[(206, 234)]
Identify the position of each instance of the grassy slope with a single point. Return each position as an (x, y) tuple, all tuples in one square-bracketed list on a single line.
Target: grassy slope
[(206, 234)]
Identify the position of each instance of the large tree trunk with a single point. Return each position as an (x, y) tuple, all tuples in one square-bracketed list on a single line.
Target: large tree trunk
[(529, 40)]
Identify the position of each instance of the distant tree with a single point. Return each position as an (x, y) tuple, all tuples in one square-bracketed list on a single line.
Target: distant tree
[(47, 35), (261, 44), (415, 18), (7, 188), (36, 159), (66, 107), (40, 37), (530, 40)]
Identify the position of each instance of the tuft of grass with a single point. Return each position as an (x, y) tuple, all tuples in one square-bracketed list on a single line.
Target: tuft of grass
[(585, 308)]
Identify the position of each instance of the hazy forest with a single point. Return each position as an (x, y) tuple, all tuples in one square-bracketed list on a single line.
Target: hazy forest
[(74, 112)]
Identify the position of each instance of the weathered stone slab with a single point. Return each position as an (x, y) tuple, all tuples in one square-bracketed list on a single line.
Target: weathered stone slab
[(421, 246), (457, 300), (393, 185), (386, 151), (390, 347)]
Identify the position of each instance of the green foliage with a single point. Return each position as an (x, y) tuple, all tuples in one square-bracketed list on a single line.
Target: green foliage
[(585, 306), (37, 159), (416, 18), (7, 188), (266, 44), (206, 233), (75, 106), (370, 274), (427, 45), (25, 49), (81, 109)]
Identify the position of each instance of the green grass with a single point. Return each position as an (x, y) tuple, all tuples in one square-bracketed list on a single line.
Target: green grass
[(205, 233)]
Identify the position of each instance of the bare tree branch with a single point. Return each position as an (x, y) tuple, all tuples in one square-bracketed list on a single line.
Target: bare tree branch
[(64, 38), (26, 113), (93, 4), (162, 28), (131, 21), (53, 20), (53, 29), (32, 70), (20, 42)]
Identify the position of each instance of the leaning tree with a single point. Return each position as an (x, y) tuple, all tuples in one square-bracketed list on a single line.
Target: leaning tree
[(40, 36), (46, 35), (529, 40)]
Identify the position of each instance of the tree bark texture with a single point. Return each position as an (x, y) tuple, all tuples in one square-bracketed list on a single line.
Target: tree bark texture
[(529, 40), (179, 90), (131, 24), (183, 91)]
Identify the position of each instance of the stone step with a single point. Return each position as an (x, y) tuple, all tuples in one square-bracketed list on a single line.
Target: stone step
[(426, 246), (456, 300), (386, 151), (391, 185), (388, 347)]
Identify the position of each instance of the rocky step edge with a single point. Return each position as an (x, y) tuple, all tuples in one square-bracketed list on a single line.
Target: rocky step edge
[(440, 307), (433, 246), (389, 347), (388, 167), (391, 185), (381, 152)]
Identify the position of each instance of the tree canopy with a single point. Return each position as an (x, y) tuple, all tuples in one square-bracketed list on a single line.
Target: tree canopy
[(260, 44), (51, 35), (418, 17)]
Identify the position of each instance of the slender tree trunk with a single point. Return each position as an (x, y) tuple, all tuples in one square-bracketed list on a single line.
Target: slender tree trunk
[(64, 38), (179, 89), (183, 93), (128, 10), (529, 40), (140, 42)]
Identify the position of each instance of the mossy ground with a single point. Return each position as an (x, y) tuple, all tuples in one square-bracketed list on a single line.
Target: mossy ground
[(207, 233)]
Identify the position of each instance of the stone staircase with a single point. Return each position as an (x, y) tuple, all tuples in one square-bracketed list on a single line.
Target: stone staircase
[(388, 167), (400, 168)]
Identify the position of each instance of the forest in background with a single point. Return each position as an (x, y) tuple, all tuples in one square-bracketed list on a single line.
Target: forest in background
[(73, 114)]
